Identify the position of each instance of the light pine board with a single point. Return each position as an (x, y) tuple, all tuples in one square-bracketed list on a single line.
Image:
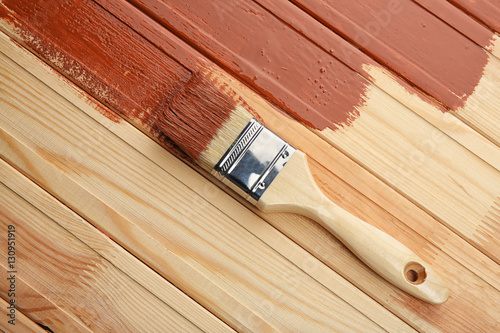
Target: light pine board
[(71, 274), (107, 191), (40, 309), (433, 170), (319, 243), (37, 306), (206, 190), (434, 133), (22, 323)]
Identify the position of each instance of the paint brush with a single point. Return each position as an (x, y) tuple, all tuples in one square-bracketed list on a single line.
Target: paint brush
[(226, 138)]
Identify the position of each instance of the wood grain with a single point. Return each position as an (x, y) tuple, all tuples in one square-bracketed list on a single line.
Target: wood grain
[(209, 193), (469, 272), (391, 32), (72, 275), (433, 170), (22, 323), (438, 245), (196, 251), (428, 248), (41, 309), (394, 170)]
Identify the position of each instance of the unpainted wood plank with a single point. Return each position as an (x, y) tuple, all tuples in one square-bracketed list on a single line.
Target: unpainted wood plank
[(72, 275), (472, 220), (153, 215), (36, 306), (21, 323), (317, 241), (418, 159), (39, 309), (453, 272), (197, 183), (446, 123), (417, 196)]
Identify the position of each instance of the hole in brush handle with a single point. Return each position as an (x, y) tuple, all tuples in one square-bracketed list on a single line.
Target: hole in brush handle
[(415, 273)]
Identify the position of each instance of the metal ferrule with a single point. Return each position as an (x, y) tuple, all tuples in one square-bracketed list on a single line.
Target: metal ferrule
[(253, 161)]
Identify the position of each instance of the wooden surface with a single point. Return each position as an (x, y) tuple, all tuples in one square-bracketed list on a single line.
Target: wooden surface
[(117, 231), (295, 191)]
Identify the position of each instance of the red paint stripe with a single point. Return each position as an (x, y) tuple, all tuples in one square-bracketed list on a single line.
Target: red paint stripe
[(485, 11), (410, 41), (278, 62), (458, 20), (100, 54)]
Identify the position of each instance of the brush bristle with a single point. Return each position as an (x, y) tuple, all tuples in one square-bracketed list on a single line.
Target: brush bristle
[(204, 120)]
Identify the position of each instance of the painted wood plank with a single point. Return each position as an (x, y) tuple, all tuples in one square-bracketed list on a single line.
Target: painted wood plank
[(486, 11), (203, 251), (317, 241), (464, 23), (464, 220)]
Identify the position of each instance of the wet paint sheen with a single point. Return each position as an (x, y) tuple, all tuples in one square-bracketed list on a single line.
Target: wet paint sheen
[(99, 53), (275, 60), (458, 20), (486, 11), (411, 41)]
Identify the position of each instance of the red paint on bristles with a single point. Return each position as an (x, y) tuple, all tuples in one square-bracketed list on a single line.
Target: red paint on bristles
[(195, 114)]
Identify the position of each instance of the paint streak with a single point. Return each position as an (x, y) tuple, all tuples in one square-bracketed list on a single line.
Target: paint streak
[(123, 70), (485, 11), (410, 41), (195, 114), (346, 52), (458, 20), (268, 55), (100, 54)]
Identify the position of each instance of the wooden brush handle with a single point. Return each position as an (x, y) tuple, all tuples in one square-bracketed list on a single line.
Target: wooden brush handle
[(294, 190)]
